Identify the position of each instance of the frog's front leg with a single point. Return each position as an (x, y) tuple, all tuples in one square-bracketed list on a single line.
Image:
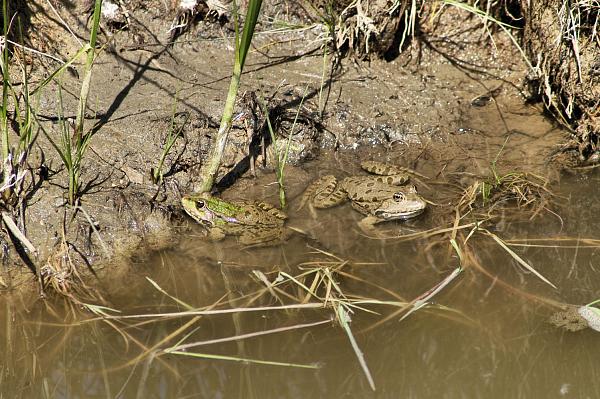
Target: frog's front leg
[(382, 168), (367, 225), (388, 174), (216, 234)]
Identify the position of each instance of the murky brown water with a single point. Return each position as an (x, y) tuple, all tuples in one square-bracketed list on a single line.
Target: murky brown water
[(484, 340)]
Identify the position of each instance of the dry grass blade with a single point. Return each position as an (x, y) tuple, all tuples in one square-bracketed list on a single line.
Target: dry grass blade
[(344, 320), (177, 300), (474, 262), (424, 299), (210, 312), (518, 258), (246, 360), (429, 233), (420, 301), (244, 336), (11, 225), (104, 312), (527, 242)]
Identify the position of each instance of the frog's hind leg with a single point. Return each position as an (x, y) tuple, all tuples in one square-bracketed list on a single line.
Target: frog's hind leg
[(323, 193), (388, 174), (262, 238), (381, 168), (327, 200), (271, 209)]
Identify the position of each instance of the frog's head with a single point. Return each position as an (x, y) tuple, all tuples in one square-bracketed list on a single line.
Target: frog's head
[(206, 209), (404, 204)]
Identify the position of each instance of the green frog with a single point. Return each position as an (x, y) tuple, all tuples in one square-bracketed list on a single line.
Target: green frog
[(252, 222), (378, 196)]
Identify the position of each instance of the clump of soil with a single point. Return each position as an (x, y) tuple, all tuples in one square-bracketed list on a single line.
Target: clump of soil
[(563, 45)]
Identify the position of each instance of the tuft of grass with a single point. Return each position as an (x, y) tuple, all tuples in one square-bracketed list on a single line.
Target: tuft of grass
[(71, 153), (317, 286), (242, 45), (73, 149), (577, 18)]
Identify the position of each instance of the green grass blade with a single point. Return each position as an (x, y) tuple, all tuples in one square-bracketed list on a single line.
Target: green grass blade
[(248, 32), (62, 68)]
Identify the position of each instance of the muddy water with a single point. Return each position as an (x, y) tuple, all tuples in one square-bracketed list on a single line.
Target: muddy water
[(485, 336)]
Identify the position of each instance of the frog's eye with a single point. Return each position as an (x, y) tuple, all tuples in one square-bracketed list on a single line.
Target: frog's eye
[(200, 204), (399, 197)]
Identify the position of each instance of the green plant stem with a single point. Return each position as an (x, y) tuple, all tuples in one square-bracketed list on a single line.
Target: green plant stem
[(241, 50), (172, 135), (5, 84), (282, 160), (208, 176), (87, 76), (65, 151), (321, 105), (278, 166)]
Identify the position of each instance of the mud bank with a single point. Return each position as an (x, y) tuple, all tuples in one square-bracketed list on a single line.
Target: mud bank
[(451, 100)]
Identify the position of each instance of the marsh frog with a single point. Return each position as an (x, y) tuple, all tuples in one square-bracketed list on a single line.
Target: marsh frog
[(377, 196), (253, 222)]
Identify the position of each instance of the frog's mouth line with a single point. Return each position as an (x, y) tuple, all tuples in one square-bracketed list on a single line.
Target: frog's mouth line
[(399, 215), (211, 220)]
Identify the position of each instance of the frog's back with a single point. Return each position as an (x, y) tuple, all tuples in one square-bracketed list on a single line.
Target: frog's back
[(259, 213)]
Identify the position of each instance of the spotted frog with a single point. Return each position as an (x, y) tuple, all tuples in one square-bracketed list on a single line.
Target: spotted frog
[(378, 196), (252, 222)]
